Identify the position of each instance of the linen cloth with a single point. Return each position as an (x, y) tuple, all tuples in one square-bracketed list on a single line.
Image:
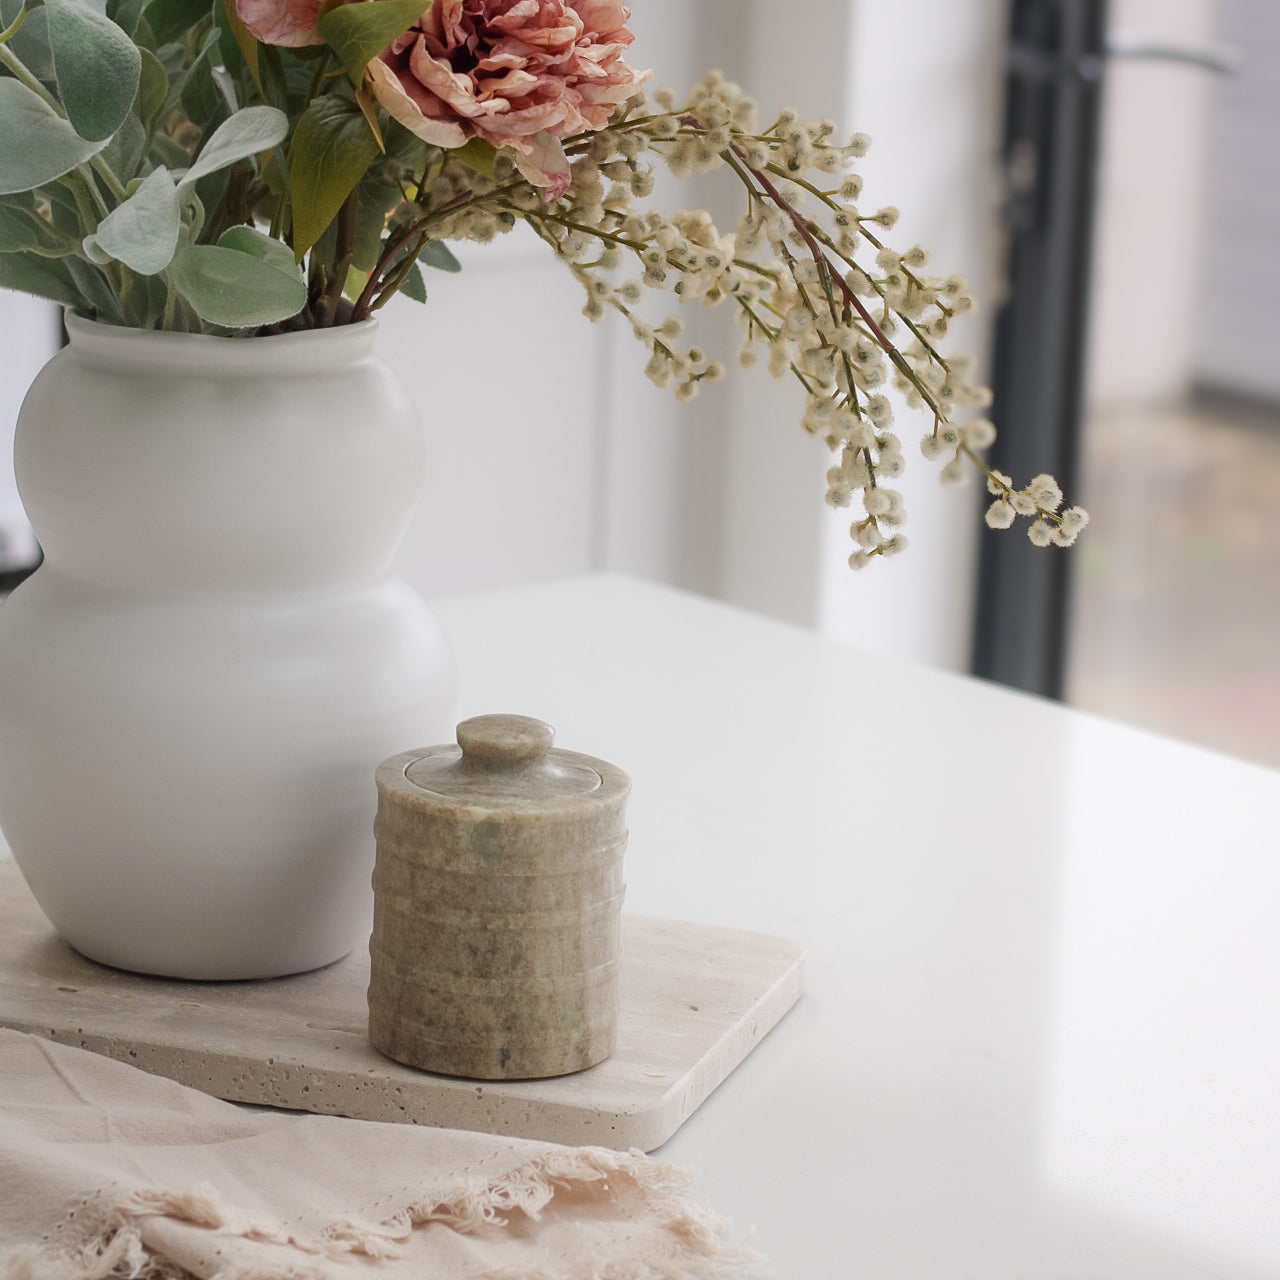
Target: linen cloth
[(106, 1171)]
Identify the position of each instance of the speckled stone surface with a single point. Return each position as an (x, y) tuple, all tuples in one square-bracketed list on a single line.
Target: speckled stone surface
[(694, 1000), (497, 904)]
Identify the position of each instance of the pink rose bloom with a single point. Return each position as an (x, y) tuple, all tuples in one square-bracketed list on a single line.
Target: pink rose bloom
[(516, 73)]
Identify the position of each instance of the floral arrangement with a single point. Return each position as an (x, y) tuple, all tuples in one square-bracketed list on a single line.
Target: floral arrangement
[(254, 166)]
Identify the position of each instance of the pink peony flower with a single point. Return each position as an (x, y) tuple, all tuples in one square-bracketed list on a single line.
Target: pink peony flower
[(516, 73), (289, 22)]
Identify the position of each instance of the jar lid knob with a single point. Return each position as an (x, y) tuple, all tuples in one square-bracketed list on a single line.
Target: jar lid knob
[(504, 739)]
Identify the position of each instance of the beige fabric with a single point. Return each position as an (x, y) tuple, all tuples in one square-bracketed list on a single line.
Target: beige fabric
[(106, 1171)]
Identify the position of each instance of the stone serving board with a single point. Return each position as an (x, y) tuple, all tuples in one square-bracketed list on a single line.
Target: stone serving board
[(695, 1000)]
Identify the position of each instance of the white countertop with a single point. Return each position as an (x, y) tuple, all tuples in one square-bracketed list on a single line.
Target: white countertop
[(1041, 1035)]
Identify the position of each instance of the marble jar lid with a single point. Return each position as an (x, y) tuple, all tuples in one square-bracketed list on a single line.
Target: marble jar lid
[(505, 764)]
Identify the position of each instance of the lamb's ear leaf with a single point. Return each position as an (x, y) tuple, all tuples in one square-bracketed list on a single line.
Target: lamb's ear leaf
[(258, 244), (357, 33), (143, 231), (235, 290), (126, 150), (44, 277), (168, 153), (250, 131), (96, 65), (17, 231), (153, 89), (102, 304), (22, 228), (30, 43), (36, 143), (64, 213)]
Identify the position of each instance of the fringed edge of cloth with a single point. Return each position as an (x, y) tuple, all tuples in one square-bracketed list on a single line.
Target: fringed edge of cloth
[(115, 1244)]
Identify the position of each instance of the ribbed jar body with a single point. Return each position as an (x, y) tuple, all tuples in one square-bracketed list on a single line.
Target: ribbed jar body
[(197, 684), (497, 927)]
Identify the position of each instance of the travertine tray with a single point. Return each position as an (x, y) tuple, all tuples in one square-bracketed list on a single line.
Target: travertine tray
[(695, 1000)]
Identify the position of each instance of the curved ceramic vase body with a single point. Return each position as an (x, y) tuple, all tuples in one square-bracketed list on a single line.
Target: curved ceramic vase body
[(198, 683)]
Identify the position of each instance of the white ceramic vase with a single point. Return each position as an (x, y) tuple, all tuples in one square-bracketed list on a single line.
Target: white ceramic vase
[(198, 683)]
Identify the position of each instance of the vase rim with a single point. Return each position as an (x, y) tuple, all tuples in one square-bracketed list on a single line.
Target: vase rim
[(303, 349)]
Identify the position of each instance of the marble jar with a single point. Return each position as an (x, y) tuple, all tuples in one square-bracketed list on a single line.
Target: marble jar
[(497, 904)]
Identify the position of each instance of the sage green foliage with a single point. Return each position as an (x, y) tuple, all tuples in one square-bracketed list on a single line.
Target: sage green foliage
[(96, 66), (37, 145), (143, 231), (160, 169)]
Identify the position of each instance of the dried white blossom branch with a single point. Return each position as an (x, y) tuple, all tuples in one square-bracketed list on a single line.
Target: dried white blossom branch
[(807, 274)]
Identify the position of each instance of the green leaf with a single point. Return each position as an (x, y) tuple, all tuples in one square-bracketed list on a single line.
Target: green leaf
[(233, 289), (438, 254), (173, 57), (146, 301), (249, 131), (153, 88), (375, 198), (22, 228), (275, 88), (260, 245), (143, 231), (167, 152), (126, 14), (275, 175), (125, 152), (235, 38), (144, 37), (332, 148), (209, 193), (36, 144), (359, 32), (45, 277), (172, 19), (408, 151), (17, 231), (413, 285), (31, 43), (354, 284), (64, 213), (478, 155), (369, 108), (96, 65), (200, 95), (96, 294)]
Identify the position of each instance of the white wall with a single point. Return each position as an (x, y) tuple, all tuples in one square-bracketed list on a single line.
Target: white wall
[(28, 337), (505, 372), (927, 85), (1238, 334), (549, 453), (1145, 314)]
